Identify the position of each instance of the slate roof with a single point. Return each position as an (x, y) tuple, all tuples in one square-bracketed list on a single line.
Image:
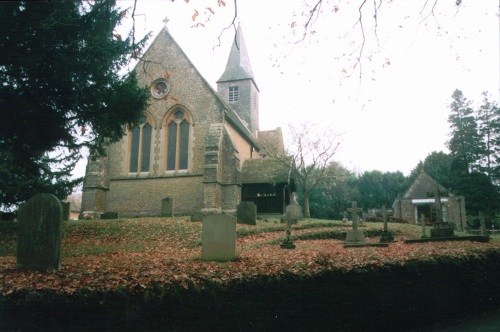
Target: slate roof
[(264, 170), (423, 185), (238, 65), (271, 139)]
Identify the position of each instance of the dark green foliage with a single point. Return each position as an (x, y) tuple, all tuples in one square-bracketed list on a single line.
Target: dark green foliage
[(109, 215), (60, 91), (377, 189), (334, 194), (465, 145), (386, 298)]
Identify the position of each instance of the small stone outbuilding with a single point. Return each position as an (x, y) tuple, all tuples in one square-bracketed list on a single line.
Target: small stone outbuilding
[(420, 199)]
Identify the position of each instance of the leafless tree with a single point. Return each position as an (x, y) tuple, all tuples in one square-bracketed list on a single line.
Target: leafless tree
[(309, 151)]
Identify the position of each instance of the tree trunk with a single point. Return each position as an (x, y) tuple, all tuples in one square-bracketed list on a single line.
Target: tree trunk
[(307, 213)]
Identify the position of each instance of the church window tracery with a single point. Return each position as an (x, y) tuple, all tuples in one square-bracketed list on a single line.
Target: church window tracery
[(140, 146), (178, 124)]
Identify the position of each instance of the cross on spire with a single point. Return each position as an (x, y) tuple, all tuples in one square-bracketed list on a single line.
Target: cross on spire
[(166, 20)]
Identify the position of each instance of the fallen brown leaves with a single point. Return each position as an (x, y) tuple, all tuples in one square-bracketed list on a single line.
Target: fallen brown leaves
[(136, 254)]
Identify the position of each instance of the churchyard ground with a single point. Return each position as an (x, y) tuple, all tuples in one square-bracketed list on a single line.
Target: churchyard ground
[(140, 257)]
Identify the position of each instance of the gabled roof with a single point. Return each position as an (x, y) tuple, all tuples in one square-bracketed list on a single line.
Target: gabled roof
[(422, 186), (271, 140), (229, 114), (264, 170), (238, 65)]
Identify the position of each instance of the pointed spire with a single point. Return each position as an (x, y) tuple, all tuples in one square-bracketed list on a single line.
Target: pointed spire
[(238, 64)]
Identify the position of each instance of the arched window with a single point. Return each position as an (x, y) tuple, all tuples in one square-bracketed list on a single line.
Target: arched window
[(140, 146), (177, 125)]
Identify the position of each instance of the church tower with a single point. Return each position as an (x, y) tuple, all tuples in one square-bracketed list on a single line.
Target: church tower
[(237, 85)]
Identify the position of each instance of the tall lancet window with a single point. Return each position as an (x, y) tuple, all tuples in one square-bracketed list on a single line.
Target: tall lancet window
[(140, 146), (177, 124)]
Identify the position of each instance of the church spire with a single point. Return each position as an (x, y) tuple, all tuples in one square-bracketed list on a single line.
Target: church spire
[(237, 85), (238, 64)]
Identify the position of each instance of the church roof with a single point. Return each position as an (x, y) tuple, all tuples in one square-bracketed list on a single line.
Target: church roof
[(164, 36), (264, 170), (423, 185), (238, 63), (271, 139)]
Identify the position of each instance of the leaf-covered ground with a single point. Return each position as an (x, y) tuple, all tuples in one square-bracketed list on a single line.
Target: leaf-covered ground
[(138, 253)]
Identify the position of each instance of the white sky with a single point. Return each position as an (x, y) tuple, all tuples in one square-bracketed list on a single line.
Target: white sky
[(392, 117)]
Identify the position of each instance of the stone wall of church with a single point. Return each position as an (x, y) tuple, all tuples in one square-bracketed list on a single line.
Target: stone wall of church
[(243, 147), (143, 197)]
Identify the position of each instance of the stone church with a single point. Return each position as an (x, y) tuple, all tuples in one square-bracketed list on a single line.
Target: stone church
[(194, 145)]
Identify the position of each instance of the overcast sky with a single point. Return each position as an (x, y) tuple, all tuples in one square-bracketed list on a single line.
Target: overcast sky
[(390, 118)]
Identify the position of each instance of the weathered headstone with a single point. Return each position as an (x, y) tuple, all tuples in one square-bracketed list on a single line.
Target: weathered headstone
[(39, 237), (246, 213), (288, 243), (386, 235), (218, 238), (167, 207), (294, 209), (422, 222), (355, 235)]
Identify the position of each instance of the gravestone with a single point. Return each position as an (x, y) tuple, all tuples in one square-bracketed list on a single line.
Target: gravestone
[(355, 235), (482, 220), (422, 222), (197, 217), (218, 238), (294, 209), (39, 237), (386, 235), (246, 213), (167, 207), (66, 210), (288, 243)]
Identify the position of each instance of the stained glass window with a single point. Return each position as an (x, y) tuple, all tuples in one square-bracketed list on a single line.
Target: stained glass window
[(140, 147), (178, 126)]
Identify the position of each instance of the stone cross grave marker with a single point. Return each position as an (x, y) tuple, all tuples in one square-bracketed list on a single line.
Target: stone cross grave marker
[(294, 209), (386, 235), (482, 220), (288, 243), (39, 237), (246, 213), (422, 222), (384, 218), (218, 238), (439, 209), (355, 235), (354, 213)]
